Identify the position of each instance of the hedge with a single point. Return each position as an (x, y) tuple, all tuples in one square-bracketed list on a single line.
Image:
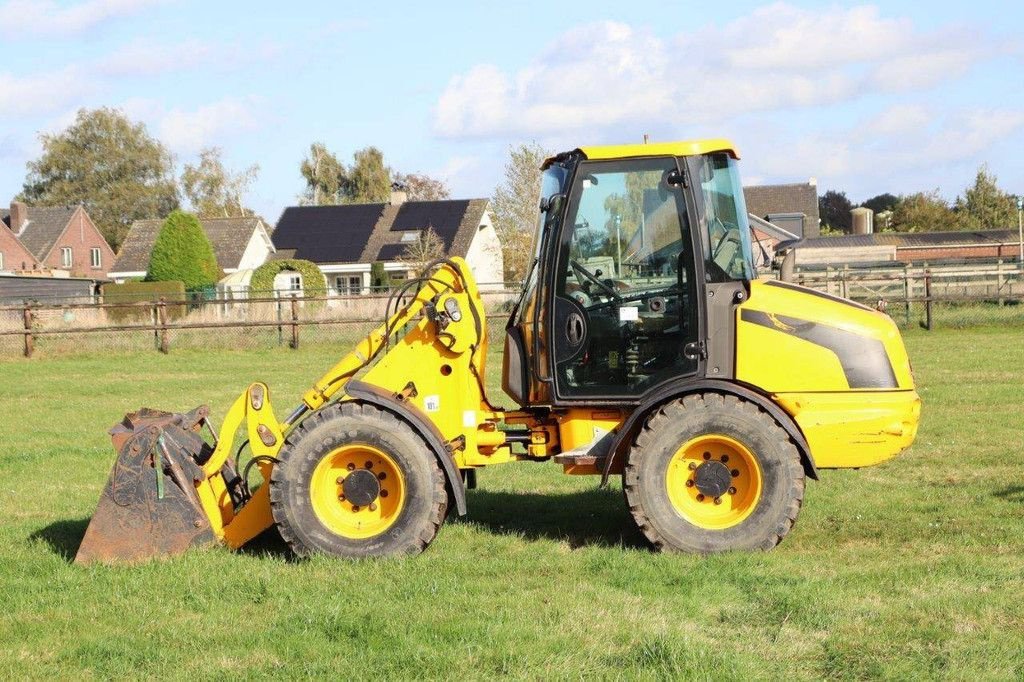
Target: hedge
[(183, 252), (138, 292), (313, 281)]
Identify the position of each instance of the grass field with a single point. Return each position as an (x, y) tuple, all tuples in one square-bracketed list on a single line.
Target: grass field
[(913, 569)]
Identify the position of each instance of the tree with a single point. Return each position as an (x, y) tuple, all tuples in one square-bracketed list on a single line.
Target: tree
[(108, 164), (834, 210), (182, 253), (212, 190), (425, 250), (325, 176), (369, 180), (984, 206), (515, 207), (421, 187), (882, 202), (923, 212)]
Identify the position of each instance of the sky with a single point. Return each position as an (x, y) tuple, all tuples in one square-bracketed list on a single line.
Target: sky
[(896, 97)]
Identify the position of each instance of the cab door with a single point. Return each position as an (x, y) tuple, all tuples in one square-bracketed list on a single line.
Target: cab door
[(624, 314)]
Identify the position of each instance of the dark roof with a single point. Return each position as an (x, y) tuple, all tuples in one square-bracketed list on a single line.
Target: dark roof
[(765, 200), (43, 227), (913, 239), (365, 233), (228, 236), (327, 234)]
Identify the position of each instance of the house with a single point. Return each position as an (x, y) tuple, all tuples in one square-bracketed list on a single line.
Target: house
[(906, 247), (238, 243), (793, 207), (14, 257), (345, 241), (63, 240)]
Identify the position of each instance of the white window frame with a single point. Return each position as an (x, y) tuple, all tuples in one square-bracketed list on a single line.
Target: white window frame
[(67, 257), (1, 260), (348, 285), (295, 283), (96, 257)]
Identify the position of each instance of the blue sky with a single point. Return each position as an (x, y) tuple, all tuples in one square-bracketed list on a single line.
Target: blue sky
[(899, 97)]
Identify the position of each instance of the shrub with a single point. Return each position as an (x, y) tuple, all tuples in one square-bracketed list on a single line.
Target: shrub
[(313, 281), (183, 253), (138, 292)]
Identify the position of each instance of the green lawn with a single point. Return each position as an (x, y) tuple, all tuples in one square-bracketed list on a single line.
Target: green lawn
[(911, 569)]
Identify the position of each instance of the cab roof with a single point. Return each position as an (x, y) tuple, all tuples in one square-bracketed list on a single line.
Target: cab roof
[(682, 148)]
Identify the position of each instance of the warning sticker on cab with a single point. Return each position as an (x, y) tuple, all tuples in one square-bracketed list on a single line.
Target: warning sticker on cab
[(432, 403)]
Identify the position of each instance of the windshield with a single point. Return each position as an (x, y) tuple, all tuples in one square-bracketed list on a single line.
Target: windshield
[(727, 252), (552, 183)]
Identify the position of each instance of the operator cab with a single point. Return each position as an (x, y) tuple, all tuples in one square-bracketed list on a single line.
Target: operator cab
[(631, 244)]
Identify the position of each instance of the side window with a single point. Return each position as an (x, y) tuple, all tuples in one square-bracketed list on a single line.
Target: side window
[(625, 303), (728, 251), (65, 257)]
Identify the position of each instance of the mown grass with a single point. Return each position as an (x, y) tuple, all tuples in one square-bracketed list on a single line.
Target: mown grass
[(911, 569)]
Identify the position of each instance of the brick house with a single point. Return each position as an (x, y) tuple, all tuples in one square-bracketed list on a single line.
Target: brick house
[(14, 257), (907, 247), (61, 239), (792, 207)]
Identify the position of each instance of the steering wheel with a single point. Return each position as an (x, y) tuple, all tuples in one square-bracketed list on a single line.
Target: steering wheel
[(591, 277)]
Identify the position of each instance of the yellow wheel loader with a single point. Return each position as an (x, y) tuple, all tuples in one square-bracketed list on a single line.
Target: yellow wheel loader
[(642, 346)]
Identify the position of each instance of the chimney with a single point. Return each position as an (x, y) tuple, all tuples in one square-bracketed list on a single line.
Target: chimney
[(398, 194), (19, 216)]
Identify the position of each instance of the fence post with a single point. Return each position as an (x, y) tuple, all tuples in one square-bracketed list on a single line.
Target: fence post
[(155, 319), (906, 294), (928, 300), (295, 323), (845, 287), (29, 339), (280, 329), (165, 346), (1000, 281)]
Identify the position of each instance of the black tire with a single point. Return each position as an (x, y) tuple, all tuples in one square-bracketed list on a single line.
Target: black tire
[(670, 426), (340, 424)]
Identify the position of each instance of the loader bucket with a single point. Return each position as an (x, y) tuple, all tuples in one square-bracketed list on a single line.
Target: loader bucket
[(149, 506)]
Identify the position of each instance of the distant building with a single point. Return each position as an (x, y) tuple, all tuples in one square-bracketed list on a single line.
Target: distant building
[(906, 247), (63, 240), (238, 244), (345, 241), (793, 207)]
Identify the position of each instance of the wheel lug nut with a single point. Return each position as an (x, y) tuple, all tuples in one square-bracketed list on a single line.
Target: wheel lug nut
[(369, 465), (355, 508), (718, 500), (707, 456), (383, 493), (700, 497), (732, 491), (725, 458), (373, 506), (351, 466), (689, 484), (341, 479), (693, 466), (381, 476), (735, 473), (341, 497)]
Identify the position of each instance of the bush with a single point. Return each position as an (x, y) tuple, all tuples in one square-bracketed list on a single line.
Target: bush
[(183, 253), (313, 281), (139, 292)]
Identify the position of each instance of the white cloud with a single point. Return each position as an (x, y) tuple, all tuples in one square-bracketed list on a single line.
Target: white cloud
[(612, 75), (43, 92), (146, 58), (187, 131), (25, 18)]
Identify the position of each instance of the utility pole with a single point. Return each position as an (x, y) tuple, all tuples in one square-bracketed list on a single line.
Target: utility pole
[(1020, 230)]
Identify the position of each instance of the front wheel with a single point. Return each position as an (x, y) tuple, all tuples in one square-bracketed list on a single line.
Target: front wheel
[(356, 481), (712, 473)]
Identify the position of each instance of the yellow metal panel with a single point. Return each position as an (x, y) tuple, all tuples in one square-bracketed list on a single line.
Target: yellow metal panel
[(854, 429), (681, 148)]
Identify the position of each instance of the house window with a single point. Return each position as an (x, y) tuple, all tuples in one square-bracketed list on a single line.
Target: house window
[(96, 258), (1, 260), (410, 237), (65, 257), (348, 285), (295, 282)]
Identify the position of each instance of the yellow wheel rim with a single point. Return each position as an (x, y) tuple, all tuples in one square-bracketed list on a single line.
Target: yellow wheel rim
[(357, 491), (714, 481)]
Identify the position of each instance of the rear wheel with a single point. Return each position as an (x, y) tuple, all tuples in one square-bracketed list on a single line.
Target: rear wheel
[(356, 481), (712, 473)]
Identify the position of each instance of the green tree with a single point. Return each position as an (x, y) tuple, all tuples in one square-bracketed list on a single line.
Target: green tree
[(515, 207), (425, 250), (325, 176), (369, 180), (182, 253), (924, 212), (984, 206), (110, 165), (834, 210), (213, 190), (420, 187), (882, 202)]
